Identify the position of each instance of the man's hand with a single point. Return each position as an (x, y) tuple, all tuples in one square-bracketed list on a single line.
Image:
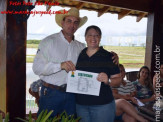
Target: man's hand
[(36, 95), (68, 66), (153, 97), (115, 58)]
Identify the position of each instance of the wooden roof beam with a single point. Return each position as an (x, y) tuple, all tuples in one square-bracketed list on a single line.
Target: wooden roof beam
[(139, 5), (103, 10), (80, 5), (48, 7), (123, 13), (140, 16)]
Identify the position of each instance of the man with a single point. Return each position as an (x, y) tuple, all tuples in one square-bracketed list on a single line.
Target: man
[(56, 56)]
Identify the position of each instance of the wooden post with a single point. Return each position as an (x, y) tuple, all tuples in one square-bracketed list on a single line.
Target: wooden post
[(12, 63), (3, 6), (154, 41)]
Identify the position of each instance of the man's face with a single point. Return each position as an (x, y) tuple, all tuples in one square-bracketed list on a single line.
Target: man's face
[(70, 24)]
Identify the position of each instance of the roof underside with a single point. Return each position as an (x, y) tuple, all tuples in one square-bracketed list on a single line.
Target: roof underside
[(138, 8)]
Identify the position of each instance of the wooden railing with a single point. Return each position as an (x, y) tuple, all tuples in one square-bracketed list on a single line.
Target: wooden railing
[(30, 104)]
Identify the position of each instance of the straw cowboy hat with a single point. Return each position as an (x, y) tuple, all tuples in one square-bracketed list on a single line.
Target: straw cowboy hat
[(72, 12)]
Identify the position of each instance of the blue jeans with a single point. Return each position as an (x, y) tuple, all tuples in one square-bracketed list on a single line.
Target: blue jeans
[(96, 113), (52, 99)]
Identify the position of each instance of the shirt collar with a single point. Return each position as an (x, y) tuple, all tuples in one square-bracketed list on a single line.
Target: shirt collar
[(98, 52), (62, 36)]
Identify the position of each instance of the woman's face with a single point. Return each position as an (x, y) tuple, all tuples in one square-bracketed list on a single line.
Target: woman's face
[(92, 38), (122, 71), (144, 74)]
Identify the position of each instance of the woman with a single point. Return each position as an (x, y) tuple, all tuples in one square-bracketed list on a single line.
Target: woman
[(95, 59), (144, 86), (126, 90), (158, 80)]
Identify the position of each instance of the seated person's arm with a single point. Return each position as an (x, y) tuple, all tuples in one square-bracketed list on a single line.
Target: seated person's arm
[(117, 95), (115, 80), (133, 94), (102, 77), (120, 96), (152, 98), (161, 84), (154, 81)]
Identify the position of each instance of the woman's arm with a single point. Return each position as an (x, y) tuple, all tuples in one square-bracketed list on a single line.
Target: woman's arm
[(115, 80), (120, 96), (117, 95), (154, 81), (152, 98)]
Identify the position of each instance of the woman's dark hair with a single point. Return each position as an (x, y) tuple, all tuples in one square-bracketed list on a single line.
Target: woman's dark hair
[(148, 81), (98, 30), (121, 65)]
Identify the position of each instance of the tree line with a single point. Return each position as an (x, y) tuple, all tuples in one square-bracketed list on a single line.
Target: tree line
[(33, 41)]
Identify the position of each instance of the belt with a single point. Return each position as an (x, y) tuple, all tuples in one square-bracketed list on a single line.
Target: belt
[(60, 88)]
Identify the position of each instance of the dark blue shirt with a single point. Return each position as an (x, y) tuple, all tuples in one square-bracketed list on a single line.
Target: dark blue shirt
[(101, 61)]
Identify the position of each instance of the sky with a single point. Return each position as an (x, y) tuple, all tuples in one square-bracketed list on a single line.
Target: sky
[(113, 30)]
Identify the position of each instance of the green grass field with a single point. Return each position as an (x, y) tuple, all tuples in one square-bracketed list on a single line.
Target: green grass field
[(130, 57), (32, 45)]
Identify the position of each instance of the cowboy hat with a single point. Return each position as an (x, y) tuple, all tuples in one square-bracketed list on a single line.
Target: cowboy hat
[(72, 12)]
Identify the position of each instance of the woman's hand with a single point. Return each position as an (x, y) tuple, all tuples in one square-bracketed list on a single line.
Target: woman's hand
[(103, 77), (133, 100), (153, 97)]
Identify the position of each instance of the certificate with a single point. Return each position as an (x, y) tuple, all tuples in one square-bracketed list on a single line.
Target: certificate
[(83, 83)]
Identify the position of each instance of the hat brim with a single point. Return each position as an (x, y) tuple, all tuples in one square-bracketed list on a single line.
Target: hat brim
[(59, 18)]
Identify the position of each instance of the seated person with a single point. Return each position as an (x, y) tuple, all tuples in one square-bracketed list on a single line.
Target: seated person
[(158, 80), (143, 85), (126, 112), (126, 90)]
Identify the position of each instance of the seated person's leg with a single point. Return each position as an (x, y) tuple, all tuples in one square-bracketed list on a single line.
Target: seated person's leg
[(122, 106), (128, 118)]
